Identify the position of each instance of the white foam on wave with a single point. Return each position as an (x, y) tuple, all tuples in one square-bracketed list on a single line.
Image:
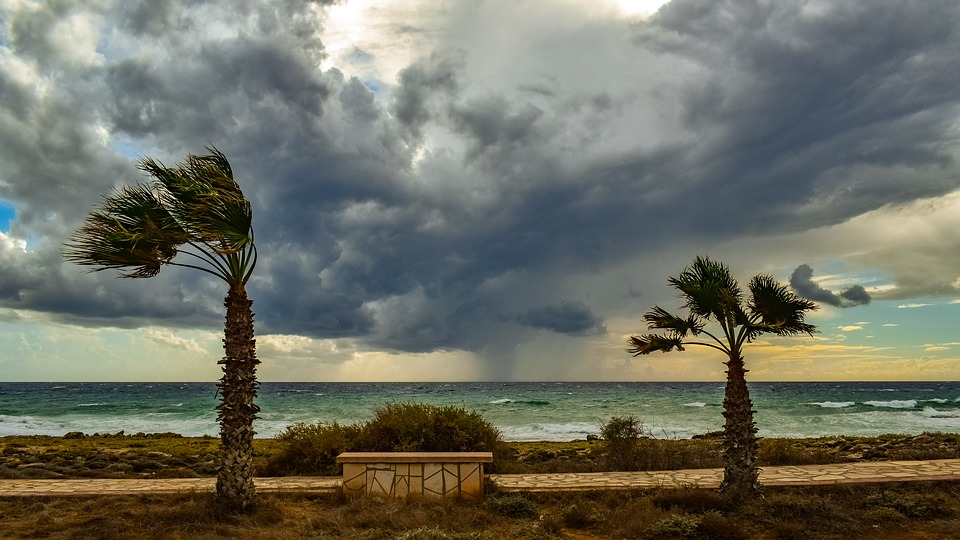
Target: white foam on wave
[(833, 404), (695, 404), (549, 432), (934, 400), (28, 425), (930, 412), (893, 404), (90, 404), (501, 401)]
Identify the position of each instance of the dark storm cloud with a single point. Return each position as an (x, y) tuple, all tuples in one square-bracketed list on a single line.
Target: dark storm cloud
[(801, 281), (443, 210), (493, 127), (418, 83), (568, 317), (809, 99)]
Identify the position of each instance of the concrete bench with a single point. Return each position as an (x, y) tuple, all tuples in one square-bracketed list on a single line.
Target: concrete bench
[(400, 474)]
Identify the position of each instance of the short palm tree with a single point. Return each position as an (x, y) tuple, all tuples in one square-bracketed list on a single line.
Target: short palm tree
[(197, 210), (711, 293)]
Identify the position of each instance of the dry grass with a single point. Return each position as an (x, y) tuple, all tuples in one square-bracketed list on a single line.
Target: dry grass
[(907, 511)]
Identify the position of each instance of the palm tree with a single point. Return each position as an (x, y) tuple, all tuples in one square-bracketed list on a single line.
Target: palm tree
[(197, 210), (711, 292)]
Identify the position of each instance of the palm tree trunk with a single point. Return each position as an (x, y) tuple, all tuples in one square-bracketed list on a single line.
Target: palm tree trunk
[(236, 411), (740, 473)]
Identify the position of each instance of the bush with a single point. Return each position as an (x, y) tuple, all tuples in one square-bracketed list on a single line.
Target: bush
[(397, 427), (675, 526), (512, 506), (418, 427), (621, 442), (312, 449), (911, 505)]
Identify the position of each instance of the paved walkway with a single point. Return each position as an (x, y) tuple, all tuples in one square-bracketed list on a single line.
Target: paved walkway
[(807, 475)]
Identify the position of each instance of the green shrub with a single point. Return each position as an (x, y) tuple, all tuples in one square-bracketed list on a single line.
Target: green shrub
[(312, 449), (911, 505), (621, 442), (397, 427), (675, 526), (512, 506), (418, 427)]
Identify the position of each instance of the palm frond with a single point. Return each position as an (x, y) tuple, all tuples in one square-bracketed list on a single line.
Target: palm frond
[(776, 309), (649, 343), (659, 319), (203, 196), (132, 232), (708, 288)]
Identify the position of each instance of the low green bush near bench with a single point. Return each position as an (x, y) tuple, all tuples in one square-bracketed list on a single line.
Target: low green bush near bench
[(312, 449)]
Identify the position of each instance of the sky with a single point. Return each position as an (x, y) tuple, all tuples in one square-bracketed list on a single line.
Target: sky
[(490, 190)]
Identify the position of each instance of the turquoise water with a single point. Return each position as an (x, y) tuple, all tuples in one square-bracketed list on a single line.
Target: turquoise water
[(522, 411)]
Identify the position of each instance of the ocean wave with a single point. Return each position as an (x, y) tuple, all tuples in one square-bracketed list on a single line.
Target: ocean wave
[(90, 404), (894, 404), (5, 419), (833, 404), (534, 402), (934, 400), (549, 432), (28, 425), (930, 412), (695, 404)]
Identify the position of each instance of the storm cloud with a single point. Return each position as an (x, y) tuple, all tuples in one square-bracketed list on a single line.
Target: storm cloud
[(801, 281), (573, 318)]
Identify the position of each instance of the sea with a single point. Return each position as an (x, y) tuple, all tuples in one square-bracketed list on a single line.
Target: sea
[(523, 411)]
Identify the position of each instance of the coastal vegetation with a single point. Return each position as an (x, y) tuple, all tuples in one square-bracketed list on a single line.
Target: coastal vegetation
[(168, 455), (195, 209), (395, 427), (711, 294)]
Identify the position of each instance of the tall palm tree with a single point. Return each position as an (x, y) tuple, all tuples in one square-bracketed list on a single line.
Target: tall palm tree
[(197, 210), (711, 293)]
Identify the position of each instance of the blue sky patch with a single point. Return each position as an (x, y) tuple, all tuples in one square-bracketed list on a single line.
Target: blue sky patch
[(7, 214)]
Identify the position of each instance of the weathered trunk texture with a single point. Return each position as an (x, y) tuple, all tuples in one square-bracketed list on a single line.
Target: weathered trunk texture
[(236, 412), (741, 477)]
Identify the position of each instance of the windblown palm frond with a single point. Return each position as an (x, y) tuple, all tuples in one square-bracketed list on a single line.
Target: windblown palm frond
[(132, 230), (203, 196), (659, 319), (708, 287), (778, 310), (654, 342), (195, 208)]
